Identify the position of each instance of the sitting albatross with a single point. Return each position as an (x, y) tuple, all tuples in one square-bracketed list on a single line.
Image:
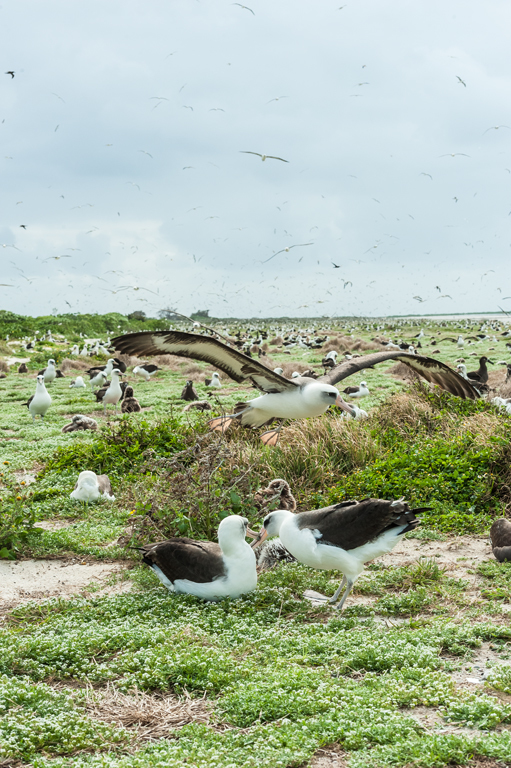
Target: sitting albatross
[(203, 568), (298, 398), (342, 537)]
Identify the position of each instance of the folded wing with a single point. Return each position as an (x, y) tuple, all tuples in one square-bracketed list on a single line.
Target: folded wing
[(182, 558)]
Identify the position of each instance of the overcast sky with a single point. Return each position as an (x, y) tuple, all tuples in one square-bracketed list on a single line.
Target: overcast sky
[(123, 132)]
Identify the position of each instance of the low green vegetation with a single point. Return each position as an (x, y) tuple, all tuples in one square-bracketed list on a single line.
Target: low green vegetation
[(279, 676)]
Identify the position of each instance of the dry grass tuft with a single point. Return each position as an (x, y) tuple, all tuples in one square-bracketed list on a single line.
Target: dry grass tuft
[(192, 370), (277, 341), (504, 390), (345, 344), (402, 371), (4, 368), (290, 368), (407, 412), (312, 453), (268, 362), (153, 717), (74, 364), (172, 362)]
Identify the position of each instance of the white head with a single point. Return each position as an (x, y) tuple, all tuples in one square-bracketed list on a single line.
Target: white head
[(232, 532), (271, 525), (317, 392), (40, 379), (51, 363), (280, 371), (363, 384), (216, 376)]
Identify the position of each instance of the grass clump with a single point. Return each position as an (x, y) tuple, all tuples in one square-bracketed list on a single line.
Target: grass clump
[(121, 447)]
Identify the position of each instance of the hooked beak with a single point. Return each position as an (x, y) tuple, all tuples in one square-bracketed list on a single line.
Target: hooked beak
[(260, 537), (344, 405), (252, 534)]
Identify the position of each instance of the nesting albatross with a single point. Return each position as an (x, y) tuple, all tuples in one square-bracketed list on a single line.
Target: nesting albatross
[(283, 398)]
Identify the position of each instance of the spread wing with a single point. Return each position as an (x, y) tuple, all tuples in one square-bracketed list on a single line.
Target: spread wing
[(430, 369), (233, 363), (181, 558)]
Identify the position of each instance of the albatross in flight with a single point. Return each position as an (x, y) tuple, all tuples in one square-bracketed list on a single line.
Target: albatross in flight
[(282, 398)]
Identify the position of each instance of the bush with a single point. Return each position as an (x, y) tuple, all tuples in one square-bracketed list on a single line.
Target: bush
[(122, 447), (16, 521)]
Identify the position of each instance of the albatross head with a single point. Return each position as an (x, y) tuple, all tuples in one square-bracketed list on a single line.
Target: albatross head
[(232, 532), (317, 392), (271, 525)]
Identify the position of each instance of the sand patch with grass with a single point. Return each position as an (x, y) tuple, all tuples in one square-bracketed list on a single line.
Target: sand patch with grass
[(24, 580)]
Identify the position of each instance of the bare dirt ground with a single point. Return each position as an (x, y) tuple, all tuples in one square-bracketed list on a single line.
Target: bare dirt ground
[(25, 580), (459, 555)]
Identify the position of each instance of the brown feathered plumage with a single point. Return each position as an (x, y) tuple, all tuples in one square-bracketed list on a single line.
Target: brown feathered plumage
[(79, 422), (129, 403), (352, 524), (181, 558), (500, 537), (277, 495), (200, 405), (189, 392)]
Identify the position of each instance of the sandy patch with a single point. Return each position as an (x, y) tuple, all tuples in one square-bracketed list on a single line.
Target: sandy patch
[(12, 360), (39, 579), (331, 757), (52, 525), (459, 555)]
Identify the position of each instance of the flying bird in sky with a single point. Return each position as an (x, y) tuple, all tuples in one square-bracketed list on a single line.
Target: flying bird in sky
[(263, 157), (246, 8), (286, 250), (11, 73)]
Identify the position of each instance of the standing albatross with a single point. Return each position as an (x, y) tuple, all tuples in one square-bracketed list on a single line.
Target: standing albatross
[(203, 568), (297, 398), (343, 536)]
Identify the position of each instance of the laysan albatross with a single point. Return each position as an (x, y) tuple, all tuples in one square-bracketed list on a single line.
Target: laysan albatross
[(343, 536), (283, 398), (203, 568)]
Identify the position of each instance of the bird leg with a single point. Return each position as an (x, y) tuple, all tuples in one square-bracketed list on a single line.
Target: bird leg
[(335, 597), (271, 437), (221, 423), (349, 587)]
